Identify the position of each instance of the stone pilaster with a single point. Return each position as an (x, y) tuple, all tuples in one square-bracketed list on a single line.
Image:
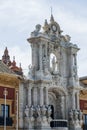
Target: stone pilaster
[(35, 96), (21, 105), (41, 96), (62, 107), (71, 64), (78, 101), (33, 54), (46, 98), (29, 96), (40, 56), (73, 100)]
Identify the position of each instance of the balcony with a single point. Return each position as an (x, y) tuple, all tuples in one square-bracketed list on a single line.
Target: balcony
[(9, 121)]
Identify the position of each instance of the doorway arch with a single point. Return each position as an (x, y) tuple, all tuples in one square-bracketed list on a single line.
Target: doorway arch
[(57, 99)]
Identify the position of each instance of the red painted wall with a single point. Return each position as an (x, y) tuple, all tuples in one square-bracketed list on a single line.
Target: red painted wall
[(83, 104), (11, 95)]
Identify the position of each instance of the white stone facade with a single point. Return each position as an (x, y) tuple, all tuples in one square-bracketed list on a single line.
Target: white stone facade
[(51, 92)]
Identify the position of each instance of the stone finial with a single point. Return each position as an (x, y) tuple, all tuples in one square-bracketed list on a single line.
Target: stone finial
[(45, 23), (51, 18), (67, 38), (46, 26)]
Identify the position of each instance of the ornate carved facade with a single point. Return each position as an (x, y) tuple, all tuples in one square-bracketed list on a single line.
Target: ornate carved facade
[(49, 98)]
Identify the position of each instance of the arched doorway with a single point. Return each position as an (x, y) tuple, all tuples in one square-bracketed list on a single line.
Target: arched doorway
[(57, 101)]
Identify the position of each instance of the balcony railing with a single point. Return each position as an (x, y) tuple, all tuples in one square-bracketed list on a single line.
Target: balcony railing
[(9, 121), (58, 123)]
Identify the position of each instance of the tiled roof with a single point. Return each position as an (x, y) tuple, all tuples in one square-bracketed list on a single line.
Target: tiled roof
[(4, 68)]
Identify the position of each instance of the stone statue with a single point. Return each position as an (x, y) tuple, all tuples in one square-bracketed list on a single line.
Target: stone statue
[(44, 62), (71, 115), (32, 110), (67, 38), (75, 70), (54, 64), (80, 117), (45, 65), (26, 111), (76, 115), (49, 111), (38, 111), (37, 30), (44, 110)]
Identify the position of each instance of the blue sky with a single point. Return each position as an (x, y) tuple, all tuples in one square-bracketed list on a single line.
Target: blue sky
[(19, 17)]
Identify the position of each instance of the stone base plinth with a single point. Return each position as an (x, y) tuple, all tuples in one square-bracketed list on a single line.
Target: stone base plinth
[(75, 128), (60, 128)]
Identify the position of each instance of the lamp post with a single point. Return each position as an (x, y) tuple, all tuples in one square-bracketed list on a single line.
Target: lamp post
[(5, 94), (17, 110)]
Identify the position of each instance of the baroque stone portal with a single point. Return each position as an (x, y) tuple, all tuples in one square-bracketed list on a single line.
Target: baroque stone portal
[(49, 97)]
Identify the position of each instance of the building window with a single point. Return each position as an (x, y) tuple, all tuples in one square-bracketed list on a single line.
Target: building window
[(3, 110)]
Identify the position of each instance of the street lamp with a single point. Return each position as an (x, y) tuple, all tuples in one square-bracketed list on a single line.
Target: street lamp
[(5, 94), (17, 110)]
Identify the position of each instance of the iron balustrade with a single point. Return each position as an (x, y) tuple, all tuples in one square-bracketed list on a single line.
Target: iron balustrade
[(58, 123), (9, 121)]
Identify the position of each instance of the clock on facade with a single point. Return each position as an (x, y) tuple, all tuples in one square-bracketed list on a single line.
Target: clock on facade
[(54, 28)]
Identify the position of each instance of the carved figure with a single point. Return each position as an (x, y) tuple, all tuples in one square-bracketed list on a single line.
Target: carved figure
[(49, 111), (53, 63), (71, 115), (80, 117), (44, 110), (45, 65), (38, 111), (26, 111), (75, 69), (32, 110), (76, 115), (37, 30)]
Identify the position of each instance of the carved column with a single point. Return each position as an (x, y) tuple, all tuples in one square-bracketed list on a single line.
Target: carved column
[(71, 61), (63, 109), (35, 95), (21, 104), (73, 100), (40, 56), (78, 101), (33, 54), (46, 49), (46, 98), (29, 96), (41, 96)]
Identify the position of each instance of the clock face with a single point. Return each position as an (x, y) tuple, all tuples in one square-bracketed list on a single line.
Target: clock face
[(54, 28)]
